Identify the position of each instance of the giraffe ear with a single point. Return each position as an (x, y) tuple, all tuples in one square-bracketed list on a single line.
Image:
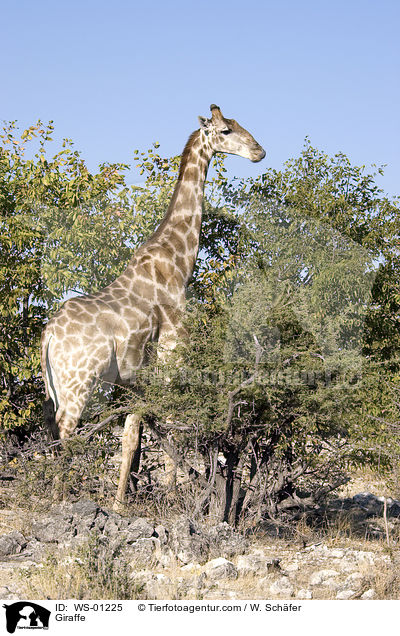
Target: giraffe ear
[(204, 122)]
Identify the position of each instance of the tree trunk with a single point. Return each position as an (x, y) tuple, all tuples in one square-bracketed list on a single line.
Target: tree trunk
[(25, 315), (224, 497), (218, 497), (234, 482)]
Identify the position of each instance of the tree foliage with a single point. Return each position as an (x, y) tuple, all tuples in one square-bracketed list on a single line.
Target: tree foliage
[(291, 367)]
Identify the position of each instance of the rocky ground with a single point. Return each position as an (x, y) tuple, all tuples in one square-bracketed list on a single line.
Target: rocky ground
[(180, 560)]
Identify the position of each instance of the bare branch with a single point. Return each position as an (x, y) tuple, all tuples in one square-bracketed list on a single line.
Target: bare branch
[(303, 353), (167, 446), (242, 385)]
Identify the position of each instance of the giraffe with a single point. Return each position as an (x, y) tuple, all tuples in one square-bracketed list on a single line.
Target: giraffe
[(102, 336)]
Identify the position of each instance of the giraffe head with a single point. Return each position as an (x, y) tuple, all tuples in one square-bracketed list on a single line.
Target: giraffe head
[(226, 135)]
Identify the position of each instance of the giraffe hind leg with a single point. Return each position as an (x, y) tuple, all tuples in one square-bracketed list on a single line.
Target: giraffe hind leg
[(65, 423), (73, 399)]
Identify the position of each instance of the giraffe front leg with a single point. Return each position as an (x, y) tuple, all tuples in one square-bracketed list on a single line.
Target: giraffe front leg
[(166, 344), (170, 467), (130, 451)]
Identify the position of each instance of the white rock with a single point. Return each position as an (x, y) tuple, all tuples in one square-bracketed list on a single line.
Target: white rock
[(167, 560), (365, 557), (331, 583), (292, 567), (369, 594), (336, 553), (347, 566), (191, 567), (355, 579), (266, 580), (215, 563), (232, 594), (9, 595), (220, 568), (304, 594), (251, 563), (322, 575), (282, 586), (344, 594)]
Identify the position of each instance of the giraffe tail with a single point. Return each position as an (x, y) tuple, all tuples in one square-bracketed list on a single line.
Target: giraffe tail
[(50, 405), (49, 416)]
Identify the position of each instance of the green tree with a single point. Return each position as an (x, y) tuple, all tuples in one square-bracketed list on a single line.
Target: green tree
[(270, 394)]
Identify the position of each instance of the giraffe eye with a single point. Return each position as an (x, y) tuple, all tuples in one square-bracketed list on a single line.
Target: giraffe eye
[(226, 131)]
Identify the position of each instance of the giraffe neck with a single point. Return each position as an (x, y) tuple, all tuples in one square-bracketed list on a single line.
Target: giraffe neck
[(179, 230)]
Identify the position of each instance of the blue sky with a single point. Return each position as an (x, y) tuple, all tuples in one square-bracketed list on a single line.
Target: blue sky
[(119, 75)]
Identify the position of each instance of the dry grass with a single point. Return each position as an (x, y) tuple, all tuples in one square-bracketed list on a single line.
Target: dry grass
[(93, 571), (367, 480), (386, 583)]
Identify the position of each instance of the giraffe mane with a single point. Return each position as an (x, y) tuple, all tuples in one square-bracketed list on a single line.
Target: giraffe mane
[(185, 153), (182, 166)]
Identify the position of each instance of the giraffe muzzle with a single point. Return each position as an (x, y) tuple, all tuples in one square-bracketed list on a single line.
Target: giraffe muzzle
[(259, 154)]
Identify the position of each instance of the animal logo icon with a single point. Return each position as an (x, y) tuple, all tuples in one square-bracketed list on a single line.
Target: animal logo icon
[(26, 615)]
